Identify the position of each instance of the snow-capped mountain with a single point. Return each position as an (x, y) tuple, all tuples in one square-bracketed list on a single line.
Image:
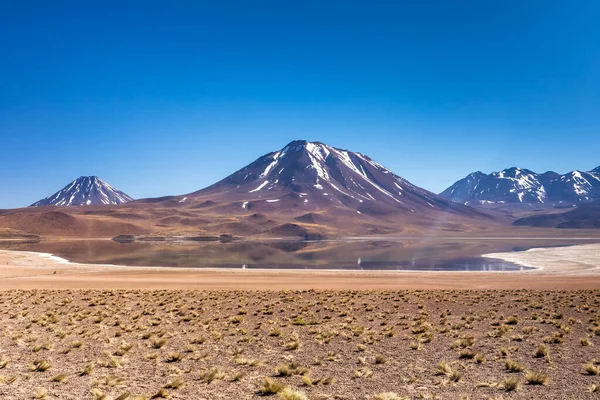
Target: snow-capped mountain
[(522, 186), (311, 175), (85, 190)]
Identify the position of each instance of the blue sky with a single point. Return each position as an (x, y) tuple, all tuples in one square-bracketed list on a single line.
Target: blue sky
[(162, 98)]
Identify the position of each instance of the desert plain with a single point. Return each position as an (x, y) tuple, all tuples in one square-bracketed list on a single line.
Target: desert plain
[(78, 331)]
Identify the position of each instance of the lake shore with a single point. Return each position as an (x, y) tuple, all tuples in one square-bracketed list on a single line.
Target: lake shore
[(571, 260), (572, 267)]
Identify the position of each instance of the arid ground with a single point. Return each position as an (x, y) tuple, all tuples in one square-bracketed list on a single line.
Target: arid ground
[(294, 335), (385, 344)]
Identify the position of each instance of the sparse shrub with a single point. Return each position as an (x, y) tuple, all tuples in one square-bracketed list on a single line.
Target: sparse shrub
[(40, 366), (455, 376), (174, 357), (591, 369), (161, 394), (270, 387), (98, 394), (40, 393), (380, 359), (513, 366), (443, 368), (287, 393), (363, 373), (175, 384), (211, 374), (274, 332), (536, 378), (541, 351), (239, 376), (293, 345), (59, 378), (299, 321), (511, 384), (388, 396), (87, 370), (290, 369), (466, 354)]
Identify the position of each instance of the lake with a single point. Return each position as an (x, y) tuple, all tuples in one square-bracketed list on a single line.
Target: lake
[(418, 254)]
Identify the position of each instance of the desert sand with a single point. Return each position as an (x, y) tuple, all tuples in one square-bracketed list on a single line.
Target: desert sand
[(573, 267)]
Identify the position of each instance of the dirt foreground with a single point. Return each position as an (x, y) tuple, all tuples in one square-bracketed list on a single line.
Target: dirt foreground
[(299, 345), (573, 267), (109, 335)]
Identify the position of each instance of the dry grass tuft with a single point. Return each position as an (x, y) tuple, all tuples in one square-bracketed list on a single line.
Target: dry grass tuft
[(388, 396), (511, 384), (40, 393), (211, 374), (59, 378), (270, 387), (40, 366), (513, 366), (287, 393), (175, 384), (536, 378)]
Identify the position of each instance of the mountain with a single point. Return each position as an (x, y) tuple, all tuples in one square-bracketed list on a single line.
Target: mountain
[(85, 190), (516, 186), (309, 176), (305, 190), (584, 216)]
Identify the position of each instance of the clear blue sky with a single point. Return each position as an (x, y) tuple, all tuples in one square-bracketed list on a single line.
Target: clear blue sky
[(166, 97)]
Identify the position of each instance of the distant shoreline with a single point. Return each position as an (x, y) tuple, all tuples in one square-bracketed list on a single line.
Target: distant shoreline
[(574, 267), (580, 259)]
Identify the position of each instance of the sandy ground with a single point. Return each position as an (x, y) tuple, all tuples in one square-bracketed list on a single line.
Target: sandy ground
[(573, 267)]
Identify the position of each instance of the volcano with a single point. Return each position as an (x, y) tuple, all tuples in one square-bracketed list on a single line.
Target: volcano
[(85, 190), (310, 176)]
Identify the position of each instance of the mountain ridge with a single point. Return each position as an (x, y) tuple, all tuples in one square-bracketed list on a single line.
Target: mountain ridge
[(525, 187)]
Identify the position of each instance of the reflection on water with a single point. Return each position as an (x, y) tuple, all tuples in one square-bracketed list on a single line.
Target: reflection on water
[(407, 254)]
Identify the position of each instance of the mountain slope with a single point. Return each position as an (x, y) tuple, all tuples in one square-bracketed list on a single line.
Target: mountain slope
[(584, 216), (307, 176), (85, 190), (525, 187)]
